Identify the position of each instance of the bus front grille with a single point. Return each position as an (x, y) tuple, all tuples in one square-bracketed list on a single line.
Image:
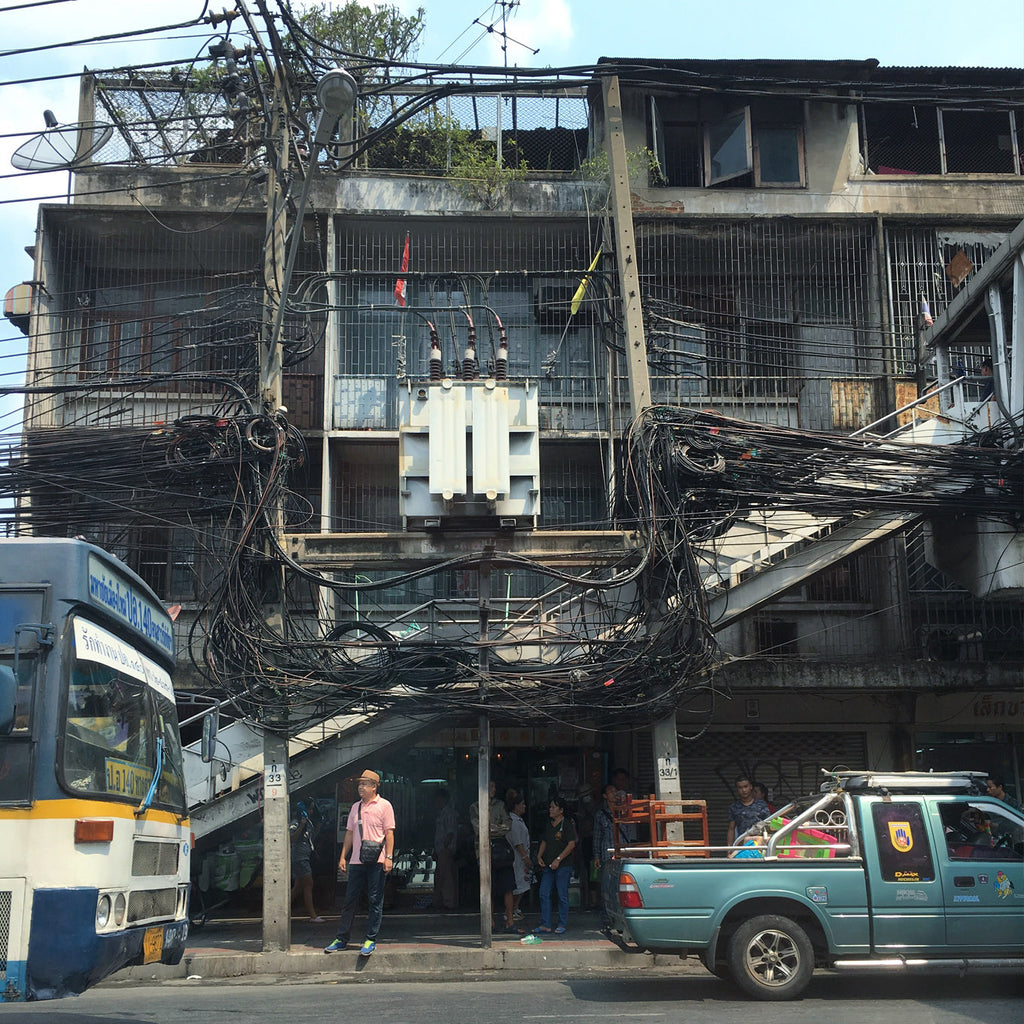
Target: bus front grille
[(150, 904), (149, 858)]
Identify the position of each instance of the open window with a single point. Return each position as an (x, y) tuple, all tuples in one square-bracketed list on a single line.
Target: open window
[(728, 148), (675, 142)]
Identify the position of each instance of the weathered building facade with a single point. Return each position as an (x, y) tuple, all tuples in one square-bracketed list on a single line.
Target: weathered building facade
[(787, 218)]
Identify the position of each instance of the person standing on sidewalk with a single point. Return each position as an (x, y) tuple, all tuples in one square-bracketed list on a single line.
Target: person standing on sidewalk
[(604, 844), (445, 836), (555, 859), (303, 838), (519, 839), (366, 857)]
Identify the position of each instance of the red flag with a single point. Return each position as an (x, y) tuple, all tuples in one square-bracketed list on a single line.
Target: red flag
[(400, 283)]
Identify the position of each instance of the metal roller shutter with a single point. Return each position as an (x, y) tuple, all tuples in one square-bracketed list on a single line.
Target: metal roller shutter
[(788, 763)]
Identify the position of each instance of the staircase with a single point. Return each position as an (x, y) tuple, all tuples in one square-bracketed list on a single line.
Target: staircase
[(230, 787)]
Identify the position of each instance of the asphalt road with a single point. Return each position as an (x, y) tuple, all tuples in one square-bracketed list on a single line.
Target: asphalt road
[(862, 999)]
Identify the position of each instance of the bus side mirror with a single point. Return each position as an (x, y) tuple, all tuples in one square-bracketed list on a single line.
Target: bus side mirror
[(209, 739), (8, 698)]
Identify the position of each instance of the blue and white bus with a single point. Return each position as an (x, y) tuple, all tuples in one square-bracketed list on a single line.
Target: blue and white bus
[(94, 830)]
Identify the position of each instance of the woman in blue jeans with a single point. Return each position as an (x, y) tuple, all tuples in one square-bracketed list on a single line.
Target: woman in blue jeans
[(555, 861)]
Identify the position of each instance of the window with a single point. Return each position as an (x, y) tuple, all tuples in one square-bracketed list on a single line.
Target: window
[(775, 638), (904, 854), (912, 139), (111, 725), (743, 149), (676, 145), (728, 150), (981, 830), (779, 156), (979, 141), (165, 558)]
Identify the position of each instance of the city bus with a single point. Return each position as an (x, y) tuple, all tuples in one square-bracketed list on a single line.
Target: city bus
[(94, 830)]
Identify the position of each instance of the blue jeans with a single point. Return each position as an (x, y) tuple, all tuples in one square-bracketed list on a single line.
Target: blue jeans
[(368, 877), (557, 879)]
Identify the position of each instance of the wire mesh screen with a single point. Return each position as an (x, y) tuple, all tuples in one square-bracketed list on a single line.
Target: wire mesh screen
[(933, 262), (516, 274), (750, 313), (171, 122), (921, 139), (540, 134)]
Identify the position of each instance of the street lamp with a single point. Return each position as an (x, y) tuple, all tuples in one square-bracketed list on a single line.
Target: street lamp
[(335, 96)]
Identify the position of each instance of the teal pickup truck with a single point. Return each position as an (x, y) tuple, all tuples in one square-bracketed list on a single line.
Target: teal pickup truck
[(877, 870)]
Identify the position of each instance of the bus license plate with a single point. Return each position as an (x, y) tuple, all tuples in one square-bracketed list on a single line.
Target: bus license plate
[(152, 945)]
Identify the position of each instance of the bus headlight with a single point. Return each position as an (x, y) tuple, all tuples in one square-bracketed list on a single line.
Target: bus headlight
[(102, 912), (120, 906)]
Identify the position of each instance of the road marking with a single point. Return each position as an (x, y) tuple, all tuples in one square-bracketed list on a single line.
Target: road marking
[(580, 1016)]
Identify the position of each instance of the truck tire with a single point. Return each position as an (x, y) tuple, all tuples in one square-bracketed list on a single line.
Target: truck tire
[(771, 957)]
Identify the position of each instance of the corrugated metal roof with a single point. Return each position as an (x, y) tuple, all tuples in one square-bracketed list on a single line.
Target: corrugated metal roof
[(868, 73)]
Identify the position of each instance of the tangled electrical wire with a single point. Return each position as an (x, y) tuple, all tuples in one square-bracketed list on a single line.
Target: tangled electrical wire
[(706, 470), (621, 643)]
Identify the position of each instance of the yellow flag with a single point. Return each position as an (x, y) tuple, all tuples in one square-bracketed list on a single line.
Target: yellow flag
[(577, 299)]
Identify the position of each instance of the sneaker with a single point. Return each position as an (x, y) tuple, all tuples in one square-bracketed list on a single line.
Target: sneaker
[(336, 946), (316, 920), (517, 916), (368, 947)]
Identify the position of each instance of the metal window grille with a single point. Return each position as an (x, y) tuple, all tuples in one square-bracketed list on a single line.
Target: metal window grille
[(918, 258), (754, 312), (366, 496), (573, 486), (952, 625), (148, 336), (523, 270)]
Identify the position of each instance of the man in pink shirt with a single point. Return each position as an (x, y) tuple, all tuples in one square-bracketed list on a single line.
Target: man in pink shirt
[(366, 857)]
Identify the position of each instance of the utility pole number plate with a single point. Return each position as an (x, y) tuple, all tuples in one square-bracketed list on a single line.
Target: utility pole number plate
[(275, 782)]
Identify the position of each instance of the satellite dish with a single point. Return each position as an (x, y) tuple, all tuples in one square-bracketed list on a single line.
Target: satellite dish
[(61, 148)]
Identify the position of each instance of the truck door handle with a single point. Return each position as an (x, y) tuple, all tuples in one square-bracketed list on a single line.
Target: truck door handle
[(963, 881)]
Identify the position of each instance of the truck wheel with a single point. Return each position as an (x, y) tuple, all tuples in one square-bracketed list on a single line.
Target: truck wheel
[(771, 957)]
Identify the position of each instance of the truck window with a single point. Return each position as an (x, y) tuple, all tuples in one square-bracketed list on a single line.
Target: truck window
[(981, 830), (904, 853)]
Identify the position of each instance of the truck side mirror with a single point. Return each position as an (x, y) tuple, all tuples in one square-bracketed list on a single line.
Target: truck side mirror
[(8, 698), (209, 739)]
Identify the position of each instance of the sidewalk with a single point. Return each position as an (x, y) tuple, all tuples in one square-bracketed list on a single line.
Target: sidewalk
[(412, 944)]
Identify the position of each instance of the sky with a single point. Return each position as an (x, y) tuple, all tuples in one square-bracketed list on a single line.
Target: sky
[(537, 33)]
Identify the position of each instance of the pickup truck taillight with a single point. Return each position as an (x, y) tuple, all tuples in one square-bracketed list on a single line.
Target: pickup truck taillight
[(629, 893)]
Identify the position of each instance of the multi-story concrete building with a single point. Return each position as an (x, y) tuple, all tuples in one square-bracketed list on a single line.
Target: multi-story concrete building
[(761, 232)]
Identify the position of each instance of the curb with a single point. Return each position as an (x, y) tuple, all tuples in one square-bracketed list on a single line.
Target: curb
[(398, 963)]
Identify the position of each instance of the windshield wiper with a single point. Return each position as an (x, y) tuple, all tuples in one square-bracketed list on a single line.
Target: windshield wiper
[(148, 799)]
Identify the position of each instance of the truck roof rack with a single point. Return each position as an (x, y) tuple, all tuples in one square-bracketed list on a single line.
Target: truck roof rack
[(854, 781)]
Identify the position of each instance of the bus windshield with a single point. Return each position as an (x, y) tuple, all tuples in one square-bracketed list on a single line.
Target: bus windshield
[(118, 704)]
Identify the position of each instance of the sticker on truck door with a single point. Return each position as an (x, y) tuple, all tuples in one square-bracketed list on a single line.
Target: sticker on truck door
[(900, 836)]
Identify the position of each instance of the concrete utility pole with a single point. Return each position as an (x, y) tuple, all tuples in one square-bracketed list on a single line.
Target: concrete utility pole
[(276, 848), (664, 734)]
